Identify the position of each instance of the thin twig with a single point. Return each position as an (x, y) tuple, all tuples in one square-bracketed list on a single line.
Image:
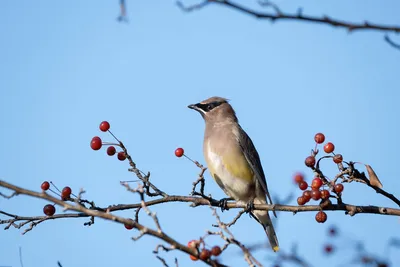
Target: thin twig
[(234, 219), (200, 179), (162, 261), (192, 7), (10, 196), (249, 258), (391, 42)]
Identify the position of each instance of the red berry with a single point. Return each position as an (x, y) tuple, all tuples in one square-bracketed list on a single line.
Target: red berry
[(45, 185), (49, 210), (301, 200), (307, 195), (129, 226), (303, 185), (339, 188), (66, 193), (193, 258), (321, 217), (315, 194), (216, 251), (193, 244), (310, 161), (319, 138), (121, 156), (298, 177), (96, 143), (328, 248), (66, 190), (111, 151), (179, 152), (329, 147), (205, 254), (338, 158), (316, 183), (325, 194), (104, 126)]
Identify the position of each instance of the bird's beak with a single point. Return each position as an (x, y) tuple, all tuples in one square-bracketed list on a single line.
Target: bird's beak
[(193, 106)]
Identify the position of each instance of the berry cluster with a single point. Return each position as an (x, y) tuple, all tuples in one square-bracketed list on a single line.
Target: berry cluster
[(317, 190), (328, 148), (96, 143), (65, 195), (316, 193), (204, 254)]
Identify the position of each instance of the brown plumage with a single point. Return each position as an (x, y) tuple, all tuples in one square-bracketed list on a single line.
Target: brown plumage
[(233, 160)]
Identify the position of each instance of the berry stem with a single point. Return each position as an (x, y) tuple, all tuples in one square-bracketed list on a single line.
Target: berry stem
[(114, 136), (195, 162), (111, 144), (55, 187), (58, 194)]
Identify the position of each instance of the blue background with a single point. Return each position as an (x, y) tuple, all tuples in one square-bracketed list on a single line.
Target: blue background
[(68, 65)]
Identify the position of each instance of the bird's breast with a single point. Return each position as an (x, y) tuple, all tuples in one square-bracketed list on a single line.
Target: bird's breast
[(231, 171)]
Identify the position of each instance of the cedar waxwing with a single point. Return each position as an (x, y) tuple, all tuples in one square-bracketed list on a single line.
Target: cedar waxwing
[(233, 160)]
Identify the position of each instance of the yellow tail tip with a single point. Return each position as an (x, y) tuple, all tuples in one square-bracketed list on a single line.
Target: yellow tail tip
[(275, 249)]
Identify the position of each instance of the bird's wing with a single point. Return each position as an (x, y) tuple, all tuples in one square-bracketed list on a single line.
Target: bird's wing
[(253, 159)]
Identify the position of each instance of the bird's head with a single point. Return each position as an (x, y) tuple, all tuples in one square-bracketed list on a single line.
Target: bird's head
[(215, 109)]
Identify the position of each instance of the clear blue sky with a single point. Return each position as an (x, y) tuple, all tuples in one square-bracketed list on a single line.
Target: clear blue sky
[(68, 65)]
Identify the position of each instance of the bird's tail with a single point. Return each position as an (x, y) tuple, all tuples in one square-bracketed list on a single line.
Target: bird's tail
[(263, 218)]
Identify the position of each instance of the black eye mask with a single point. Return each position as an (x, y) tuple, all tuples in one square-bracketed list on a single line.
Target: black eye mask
[(209, 106)]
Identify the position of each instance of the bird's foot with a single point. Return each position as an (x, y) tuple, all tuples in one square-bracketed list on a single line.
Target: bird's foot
[(222, 203), (250, 206)]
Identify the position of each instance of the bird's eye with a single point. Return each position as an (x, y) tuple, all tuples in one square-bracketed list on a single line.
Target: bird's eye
[(209, 107)]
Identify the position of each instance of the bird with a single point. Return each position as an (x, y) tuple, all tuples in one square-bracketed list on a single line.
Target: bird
[(234, 162)]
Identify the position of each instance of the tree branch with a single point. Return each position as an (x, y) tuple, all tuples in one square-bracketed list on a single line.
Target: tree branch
[(195, 201), (279, 15), (111, 217)]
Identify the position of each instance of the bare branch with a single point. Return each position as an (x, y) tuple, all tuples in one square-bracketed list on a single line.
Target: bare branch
[(279, 15), (111, 217), (198, 201)]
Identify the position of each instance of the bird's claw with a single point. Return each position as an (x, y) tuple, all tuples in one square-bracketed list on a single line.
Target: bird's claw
[(250, 207), (223, 203)]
